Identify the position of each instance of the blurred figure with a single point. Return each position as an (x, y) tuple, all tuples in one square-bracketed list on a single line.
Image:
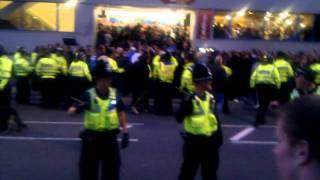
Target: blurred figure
[(297, 153), (286, 77), (186, 78), (23, 70), (203, 136), (139, 81), (315, 66), (304, 84), (164, 73), (266, 80), (6, 110), (219, 80), (47, 70), (79, 76)]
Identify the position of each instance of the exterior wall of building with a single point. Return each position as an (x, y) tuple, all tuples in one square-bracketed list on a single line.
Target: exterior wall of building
[(85, 23), (84, 32)]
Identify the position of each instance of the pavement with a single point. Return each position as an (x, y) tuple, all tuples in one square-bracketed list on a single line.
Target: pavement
[(49, 148)]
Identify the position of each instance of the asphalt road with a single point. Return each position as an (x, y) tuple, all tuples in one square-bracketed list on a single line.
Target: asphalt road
[(49, 148)]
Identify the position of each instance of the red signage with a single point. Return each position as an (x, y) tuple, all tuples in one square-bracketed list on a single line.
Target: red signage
[(204, 24), (178, 1)]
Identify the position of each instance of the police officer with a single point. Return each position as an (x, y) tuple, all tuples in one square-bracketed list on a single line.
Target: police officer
[(47, 70), (203, 136), (104, 110), (23, 70), (79, 75), (6, 110), (266, 80), (316, 68), (304, 84), (186, 77), (164, 74), (286, 77)]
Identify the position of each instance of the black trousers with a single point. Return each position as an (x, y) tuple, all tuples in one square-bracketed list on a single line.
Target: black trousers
[(163, 99), (284, 93), (23, 90), (266, 94), (100, 151), (49, 92), (199, 152), (6, 110)]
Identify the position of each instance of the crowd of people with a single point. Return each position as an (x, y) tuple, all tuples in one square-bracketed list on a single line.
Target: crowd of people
[(204, 82)]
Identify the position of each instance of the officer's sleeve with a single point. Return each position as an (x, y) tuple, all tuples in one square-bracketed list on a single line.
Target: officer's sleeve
[(253, 79), (185, 109), (120, 105), (218, 135), (83, 103), (277, 78), (87, 72)]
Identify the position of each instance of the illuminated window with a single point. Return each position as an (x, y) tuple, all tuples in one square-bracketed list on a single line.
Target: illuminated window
[(305, 26), (40, 16), (280, 26), (221, 25), (247, 25), (10, 15), (66, 18)]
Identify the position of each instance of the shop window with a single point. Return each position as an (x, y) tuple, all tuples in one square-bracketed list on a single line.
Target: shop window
[(221, 25), (305, 26), (10, 15), (280, 26), (40, 16), (247, 25), (66, 18)]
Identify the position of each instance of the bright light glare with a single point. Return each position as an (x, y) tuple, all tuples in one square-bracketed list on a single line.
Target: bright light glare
[(228, 17), (168, 17), (284, 14), (242, 12), (302, 25), (72, 3), (289, 22)]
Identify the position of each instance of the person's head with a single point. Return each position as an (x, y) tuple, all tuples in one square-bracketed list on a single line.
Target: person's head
[(202, 77), (297, 152), (304, 79), (281, 55), (103, 75), (218, 60), (191, 56), (266, 59)]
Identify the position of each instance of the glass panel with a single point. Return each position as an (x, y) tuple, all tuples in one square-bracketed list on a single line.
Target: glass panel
[(66, 18), (221, 25), (247, 25), (10, 15), (305, 27), (280, 26), (40, 16)]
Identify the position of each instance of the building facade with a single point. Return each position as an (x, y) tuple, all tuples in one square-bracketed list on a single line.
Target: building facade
[(225, 25)]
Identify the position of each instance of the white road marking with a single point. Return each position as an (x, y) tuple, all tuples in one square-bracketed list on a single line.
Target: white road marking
[(242, 134), (255, 142), (244, 126), (48, 138), (70, 123)]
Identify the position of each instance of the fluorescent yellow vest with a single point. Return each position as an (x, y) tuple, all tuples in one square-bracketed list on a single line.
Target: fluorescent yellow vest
[(102, 115), (202, 121), (265, 74), (285, 69), (22, 67), (5, 71), (47, 68), (316, 68), (186, 78)]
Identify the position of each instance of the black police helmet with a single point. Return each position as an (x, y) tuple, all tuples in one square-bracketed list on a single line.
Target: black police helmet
[(201, 73), (103, 70), (307, 73)]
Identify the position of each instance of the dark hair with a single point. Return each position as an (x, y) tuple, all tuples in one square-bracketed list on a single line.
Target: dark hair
[(301, 121)]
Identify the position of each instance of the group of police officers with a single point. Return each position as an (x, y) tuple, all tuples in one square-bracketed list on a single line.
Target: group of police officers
[(104, 111)]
